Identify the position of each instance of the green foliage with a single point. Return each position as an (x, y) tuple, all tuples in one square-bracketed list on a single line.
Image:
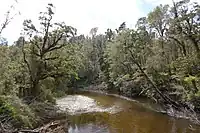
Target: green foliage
[(20, 113), (38, 68), (190, 79), (162, 53)]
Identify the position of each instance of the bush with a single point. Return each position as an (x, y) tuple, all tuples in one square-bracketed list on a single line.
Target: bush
[(19, 114)]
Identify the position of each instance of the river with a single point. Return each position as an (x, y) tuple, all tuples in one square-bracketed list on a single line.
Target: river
[(98, 113)]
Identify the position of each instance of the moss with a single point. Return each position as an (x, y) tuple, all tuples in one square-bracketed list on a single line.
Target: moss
[(190, 79)]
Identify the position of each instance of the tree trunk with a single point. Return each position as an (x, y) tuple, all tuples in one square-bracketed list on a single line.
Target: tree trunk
[(164, 97), (181, 43), (184, 50), (197, 50), (195, 86), (196, 46), (35, 89)]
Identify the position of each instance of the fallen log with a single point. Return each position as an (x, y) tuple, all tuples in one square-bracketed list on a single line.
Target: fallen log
[(59, 126)]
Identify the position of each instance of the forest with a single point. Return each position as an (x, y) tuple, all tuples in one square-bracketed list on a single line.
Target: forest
[(158, 59)]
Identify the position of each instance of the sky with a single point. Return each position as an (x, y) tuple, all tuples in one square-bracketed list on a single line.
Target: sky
[(81, 14)]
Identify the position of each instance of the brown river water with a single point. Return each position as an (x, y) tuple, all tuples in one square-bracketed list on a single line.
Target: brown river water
[(98, 113)]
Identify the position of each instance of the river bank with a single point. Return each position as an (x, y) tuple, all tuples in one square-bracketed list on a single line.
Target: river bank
[(88, 109), (57, 126), (41, 118), (54, 119)]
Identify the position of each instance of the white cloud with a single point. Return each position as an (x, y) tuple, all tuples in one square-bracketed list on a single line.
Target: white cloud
[(82, 14), (157, 2)]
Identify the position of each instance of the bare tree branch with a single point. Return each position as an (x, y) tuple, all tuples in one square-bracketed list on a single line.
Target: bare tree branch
[(46, 32), (8, 18), (51, 58)]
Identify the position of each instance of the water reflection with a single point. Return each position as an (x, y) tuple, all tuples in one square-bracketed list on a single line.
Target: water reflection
[(88, 128), (130, 117)]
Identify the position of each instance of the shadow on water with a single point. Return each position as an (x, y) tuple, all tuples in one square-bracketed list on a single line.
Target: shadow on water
[(117, 115)]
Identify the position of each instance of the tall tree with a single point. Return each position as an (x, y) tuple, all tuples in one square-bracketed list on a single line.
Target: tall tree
[(51, 38)]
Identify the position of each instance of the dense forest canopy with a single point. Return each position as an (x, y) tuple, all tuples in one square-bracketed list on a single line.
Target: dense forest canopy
[(158, 59)]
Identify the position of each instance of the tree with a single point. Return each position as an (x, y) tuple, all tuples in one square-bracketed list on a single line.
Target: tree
[(158, 19), (8, 18), (43, 47), (93, 31), (185, 25)]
